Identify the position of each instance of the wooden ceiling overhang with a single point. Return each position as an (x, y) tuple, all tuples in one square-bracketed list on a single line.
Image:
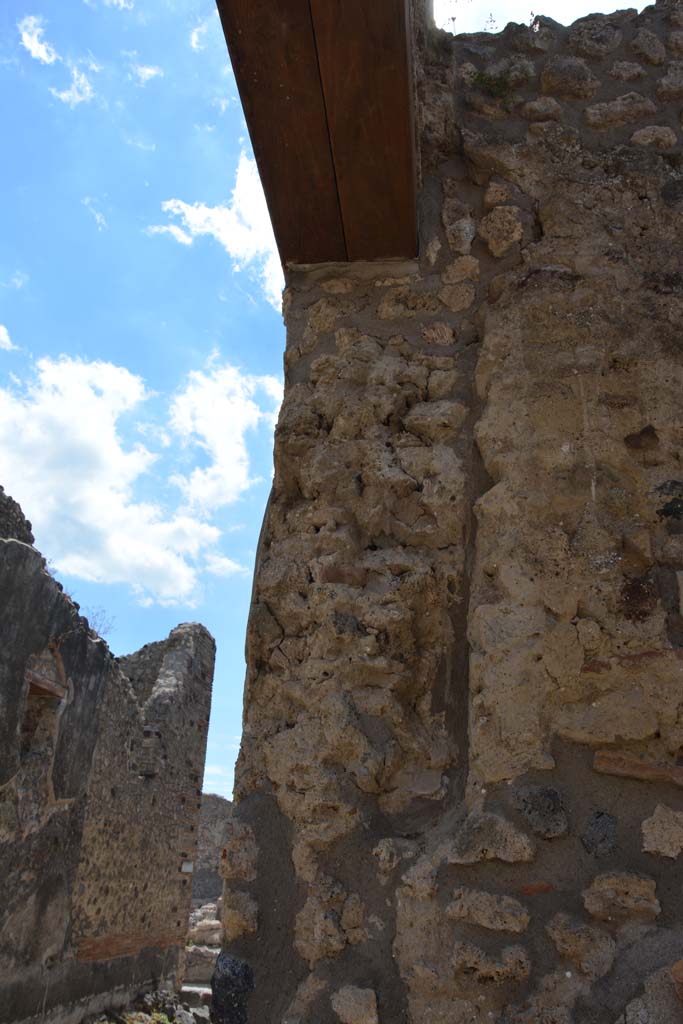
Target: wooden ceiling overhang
[(327, 92)]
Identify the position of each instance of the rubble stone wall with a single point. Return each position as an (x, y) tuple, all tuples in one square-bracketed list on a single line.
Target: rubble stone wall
[(212, 834), (99, 801), (458, 795)]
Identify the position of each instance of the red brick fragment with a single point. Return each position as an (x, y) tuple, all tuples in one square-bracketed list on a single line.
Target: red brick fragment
[(536, 888), (614, 762)]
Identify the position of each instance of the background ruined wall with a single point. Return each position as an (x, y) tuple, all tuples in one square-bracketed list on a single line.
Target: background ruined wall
[(214, 824), (458, 793), (101, 766), (205, 933)]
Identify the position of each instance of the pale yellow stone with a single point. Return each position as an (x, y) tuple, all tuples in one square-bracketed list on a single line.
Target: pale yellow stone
[(438, 334), (501, 229), (465, 268), (499, 192), (458, 297), (339, 285), (663, 832), (432, 251), (623, 110), (675, 43), (239, 914), (659, 136), (618, 895), (545, 108), (355, 1005), (588, 947), (488, 910)]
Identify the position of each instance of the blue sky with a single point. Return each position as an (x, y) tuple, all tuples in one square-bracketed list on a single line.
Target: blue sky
[(141, 339), (140, 334)]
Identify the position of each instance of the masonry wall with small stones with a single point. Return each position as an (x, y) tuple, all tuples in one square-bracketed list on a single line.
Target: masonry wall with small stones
[(101, 764), (212, 832), (459, 787)]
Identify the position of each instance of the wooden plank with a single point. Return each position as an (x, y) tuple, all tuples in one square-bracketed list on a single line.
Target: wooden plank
[(364, 55), (272, 47)]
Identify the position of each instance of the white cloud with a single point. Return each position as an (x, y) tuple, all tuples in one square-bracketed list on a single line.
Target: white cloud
[(242, 227), (224, 103), (68, 454), (32, 31), (6, 343), (220, 565), (171, 229), (213, 413), (199, 32), (80, 90), (144, 73), (91, 205), (18, 280), (146, 147), (219, 778), (121, 5)]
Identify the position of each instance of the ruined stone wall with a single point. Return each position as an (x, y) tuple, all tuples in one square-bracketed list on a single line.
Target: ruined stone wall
[(458, 793), (99, 802), (13, 523), (212, 835)]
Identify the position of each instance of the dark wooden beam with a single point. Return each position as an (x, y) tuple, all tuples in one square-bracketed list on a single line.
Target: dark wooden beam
[(274, 57), (365, 65), (326, 87)]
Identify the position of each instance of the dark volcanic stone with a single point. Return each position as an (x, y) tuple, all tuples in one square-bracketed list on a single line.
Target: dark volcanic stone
[(543, 809), (231, 984), (672, 192), (600, 835)]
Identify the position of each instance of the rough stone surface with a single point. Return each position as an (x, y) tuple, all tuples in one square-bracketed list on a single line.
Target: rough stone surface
[(501, 228), (648, 47), (468, 583), (623, 110), (239, 915), (545, 108), (627, 71), (497, 913), (231, 985), (589, 948), (484, 836), (595, 36), (512, 965), (543, 808), (659, 136), (200, 962), (101, 764), (569, 77), (659, 1003), (13, 523), (355, 1005), (205, 927), (616, 896), (670, 87), (212, 837), (663, 832), (599, 837)]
